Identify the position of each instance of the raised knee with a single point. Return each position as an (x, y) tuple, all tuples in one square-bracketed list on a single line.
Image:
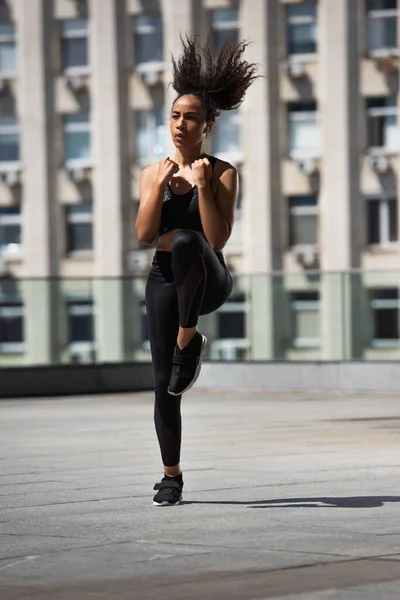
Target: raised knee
[(185, 241)]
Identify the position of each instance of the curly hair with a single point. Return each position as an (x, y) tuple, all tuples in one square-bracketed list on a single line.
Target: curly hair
[(220, 81)]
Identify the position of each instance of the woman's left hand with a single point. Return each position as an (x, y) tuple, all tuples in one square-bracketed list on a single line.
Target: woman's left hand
[(202, 172)]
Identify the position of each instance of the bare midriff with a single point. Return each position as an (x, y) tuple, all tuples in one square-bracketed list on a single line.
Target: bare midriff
[(165, 241)]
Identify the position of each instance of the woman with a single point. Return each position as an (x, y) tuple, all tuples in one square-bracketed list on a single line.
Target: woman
[(189, 202)]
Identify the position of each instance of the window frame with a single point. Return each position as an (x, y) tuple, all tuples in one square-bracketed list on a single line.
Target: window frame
[(297, 305), (382, 304), (81, 305), (224, 25), (14, 129), (11, 220), (379, 112), (152, 113), (384, 201), (71, 35), (13, 303), (293, 211), (78, 219), (292, 21), (375, 14), (295, 115), (7, 38), (140, 30), (86, 127)]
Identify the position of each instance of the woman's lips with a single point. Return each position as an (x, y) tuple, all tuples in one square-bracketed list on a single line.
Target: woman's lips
[(179, 136)]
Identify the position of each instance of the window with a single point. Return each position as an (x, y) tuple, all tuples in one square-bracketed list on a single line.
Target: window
[(305, 309), (231, 318), (303, 215), (9, 139), (11, 325), (10, 230), (150, 134), (382, 27), (74, 45), (80, 319), (385, 306), (8, 49), (77, 138), (301, 28), (383, 130), (382, 220), (226, 133), (148, 38), (304, 131), (79, 227), (224, 25)]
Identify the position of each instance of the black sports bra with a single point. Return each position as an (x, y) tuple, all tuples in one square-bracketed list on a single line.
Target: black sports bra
[(181, 211)]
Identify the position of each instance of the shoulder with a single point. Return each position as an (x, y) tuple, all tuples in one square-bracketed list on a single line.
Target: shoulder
[(224, 172), (149, 172)]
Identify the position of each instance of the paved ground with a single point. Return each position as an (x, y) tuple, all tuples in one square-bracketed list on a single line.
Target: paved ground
[(287, 496)]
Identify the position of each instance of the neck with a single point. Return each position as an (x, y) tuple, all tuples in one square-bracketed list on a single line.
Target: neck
[(185, 156)]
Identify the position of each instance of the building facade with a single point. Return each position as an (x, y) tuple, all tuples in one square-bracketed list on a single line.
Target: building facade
[(84, 103)]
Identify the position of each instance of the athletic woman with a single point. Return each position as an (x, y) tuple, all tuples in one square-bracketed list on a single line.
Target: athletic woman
[(188, 201)]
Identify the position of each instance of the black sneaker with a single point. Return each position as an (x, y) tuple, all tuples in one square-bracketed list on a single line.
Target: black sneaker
[(186, 365), (169, 491)]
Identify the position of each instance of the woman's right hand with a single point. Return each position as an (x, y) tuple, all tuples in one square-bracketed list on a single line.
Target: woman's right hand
[(166, 169)]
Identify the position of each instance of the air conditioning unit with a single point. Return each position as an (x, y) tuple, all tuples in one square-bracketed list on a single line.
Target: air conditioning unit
[(81, 354), (307, 255), (152, 78), (79, 174), (11, 177), (308, 166), (295, 69), (379, 164), (77, 83)]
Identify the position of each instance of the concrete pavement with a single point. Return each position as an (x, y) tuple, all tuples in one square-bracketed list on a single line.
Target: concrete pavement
[(291, 496)]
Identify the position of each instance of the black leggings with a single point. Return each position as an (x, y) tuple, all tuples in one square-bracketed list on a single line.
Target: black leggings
[(189, 281)]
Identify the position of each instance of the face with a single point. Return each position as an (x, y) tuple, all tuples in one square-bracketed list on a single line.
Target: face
[(188, 123)]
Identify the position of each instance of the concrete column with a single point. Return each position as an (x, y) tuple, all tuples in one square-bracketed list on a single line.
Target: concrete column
[(39, 220), (261, 210), (177, 20), (111, 194), (340, 201)]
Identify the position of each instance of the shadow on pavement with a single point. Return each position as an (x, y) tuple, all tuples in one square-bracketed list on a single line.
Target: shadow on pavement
[(320, 502)]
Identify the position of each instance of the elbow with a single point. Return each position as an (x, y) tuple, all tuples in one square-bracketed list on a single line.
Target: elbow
[(144, 237)]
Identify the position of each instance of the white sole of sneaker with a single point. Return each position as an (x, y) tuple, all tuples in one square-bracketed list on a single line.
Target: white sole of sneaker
[(203, 349), (165, 503)]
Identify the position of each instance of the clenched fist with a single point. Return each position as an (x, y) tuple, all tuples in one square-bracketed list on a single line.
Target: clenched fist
[(202, 172), (166, 169)]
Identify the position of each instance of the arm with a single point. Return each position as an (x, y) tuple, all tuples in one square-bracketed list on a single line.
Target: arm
[(152, 187), (217, 211)]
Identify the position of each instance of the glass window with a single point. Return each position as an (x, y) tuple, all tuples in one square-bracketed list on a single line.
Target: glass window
[(79, 227), (80, 320), (382, 26), (301, 28), (383, 131), (150, 134), (8, 49), (224, 25), (148, 38), (382, 220), (9, 139), (303, 215), (77, 138), (303, 130), (385, 307), (226, 133), (305, 309), (232, 318), (10, 230), (74, 45), (11, 325)]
